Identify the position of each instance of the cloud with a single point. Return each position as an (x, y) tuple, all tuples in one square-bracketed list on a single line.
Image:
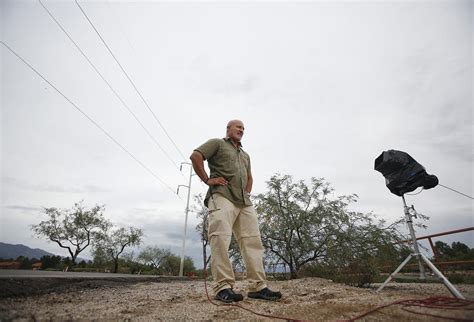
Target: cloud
[(23, 185), (239, 85), (23, 208)]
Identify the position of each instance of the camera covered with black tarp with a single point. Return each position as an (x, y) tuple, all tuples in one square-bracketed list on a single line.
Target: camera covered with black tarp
[(402, 173)]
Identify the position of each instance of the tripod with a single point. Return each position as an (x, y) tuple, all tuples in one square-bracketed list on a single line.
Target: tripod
[(420, 257)]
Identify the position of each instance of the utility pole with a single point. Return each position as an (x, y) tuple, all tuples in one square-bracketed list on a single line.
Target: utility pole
[(181, 266)]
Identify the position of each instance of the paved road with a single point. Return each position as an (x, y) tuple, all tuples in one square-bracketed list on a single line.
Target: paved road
[(28, 282), (21, 273)]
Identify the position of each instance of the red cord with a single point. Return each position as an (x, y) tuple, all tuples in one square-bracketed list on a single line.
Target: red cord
[(437, 302), (435, 316)]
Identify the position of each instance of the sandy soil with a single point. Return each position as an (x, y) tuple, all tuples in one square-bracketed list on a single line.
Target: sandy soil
[(304, 299)]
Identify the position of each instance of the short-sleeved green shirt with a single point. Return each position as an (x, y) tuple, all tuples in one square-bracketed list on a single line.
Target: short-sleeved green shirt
[(225, 160)]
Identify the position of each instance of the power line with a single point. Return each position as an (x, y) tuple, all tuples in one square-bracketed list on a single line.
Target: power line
[(129, 79), (108, 84), (87, 116)]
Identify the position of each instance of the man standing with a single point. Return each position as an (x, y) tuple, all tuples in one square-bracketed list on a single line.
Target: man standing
[(230, 210)]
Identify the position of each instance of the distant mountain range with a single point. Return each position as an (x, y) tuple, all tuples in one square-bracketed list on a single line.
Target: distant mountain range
[(10, 251)]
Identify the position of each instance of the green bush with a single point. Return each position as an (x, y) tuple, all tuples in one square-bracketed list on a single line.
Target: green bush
[(359, 273)]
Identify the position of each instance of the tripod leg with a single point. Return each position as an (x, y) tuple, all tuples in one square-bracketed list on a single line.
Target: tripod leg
[(420, 266), (408, 219), (446, 282), (395, 272)]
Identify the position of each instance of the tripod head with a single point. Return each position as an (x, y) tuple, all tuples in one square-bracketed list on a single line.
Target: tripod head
[(412, 211)]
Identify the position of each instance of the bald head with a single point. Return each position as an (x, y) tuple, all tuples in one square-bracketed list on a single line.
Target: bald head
[(233, 122), (235, 130)]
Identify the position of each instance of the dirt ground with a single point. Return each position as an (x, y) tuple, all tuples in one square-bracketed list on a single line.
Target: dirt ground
[(303, 299)]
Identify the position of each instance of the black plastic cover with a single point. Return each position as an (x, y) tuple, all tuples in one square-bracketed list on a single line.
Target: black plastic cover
[(402, 173)]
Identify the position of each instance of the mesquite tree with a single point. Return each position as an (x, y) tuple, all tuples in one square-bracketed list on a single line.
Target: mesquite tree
[(203, 215), (112, 241), (302, 223), (154, 256), (73, 229)]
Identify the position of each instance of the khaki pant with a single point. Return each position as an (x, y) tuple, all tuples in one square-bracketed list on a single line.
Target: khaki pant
[(242, 221)]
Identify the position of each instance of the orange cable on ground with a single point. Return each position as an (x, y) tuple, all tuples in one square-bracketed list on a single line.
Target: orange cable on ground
[(437, 302)]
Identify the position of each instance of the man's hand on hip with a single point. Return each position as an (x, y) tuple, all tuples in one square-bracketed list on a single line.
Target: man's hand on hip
[(219, 181)]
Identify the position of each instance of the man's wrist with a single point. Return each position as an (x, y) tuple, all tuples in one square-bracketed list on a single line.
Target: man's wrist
[(205, 181)]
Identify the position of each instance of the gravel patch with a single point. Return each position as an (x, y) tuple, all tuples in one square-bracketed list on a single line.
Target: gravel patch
[(303, 299)]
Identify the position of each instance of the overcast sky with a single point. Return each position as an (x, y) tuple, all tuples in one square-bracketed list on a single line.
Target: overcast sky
[(322, 87)]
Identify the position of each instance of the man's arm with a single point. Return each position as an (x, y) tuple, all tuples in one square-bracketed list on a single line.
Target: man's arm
[(248, 188), (198, 165), (197, 160)]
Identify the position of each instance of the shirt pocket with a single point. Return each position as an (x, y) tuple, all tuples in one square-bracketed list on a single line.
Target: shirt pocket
[(231, 162), (245, 160)]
